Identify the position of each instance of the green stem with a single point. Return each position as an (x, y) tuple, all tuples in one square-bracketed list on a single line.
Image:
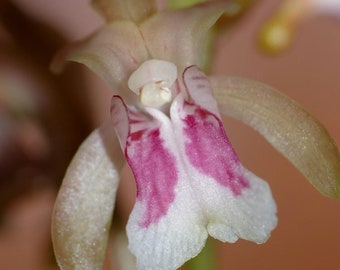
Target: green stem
[(205, 260)]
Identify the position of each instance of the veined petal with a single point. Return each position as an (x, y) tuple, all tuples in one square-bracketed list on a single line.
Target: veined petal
[(165, 228), (152, 164), (113, 52), (132, 10), (235, 202), (197, 86), (188, 27), (287, 126), (84, 206)]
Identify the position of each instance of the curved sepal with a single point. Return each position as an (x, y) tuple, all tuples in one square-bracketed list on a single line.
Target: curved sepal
[(84, 206), (186, 44), (286, 125), (136, 11), (113, 52)]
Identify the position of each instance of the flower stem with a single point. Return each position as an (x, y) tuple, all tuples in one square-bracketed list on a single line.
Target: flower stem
[(205, 260)]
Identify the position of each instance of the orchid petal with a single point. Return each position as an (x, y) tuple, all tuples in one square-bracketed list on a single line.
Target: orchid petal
[(236, 203), (132, 10), (152, 164), (165, 228), (84, 206), (113, 52), (287, 126), (199, 90), (188, 27)]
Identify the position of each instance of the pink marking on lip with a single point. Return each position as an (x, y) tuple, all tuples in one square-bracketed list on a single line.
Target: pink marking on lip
[(210, 151), (154, 168), (152, 164)]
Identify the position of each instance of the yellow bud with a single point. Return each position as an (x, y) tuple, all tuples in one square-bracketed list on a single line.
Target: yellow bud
[(275, 36)]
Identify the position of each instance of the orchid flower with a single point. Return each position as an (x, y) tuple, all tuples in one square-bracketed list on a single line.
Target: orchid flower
[(164, 117), (277, 34)]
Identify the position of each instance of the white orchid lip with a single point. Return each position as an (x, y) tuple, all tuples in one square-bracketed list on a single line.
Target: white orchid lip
[(190, 182), (152, 81)]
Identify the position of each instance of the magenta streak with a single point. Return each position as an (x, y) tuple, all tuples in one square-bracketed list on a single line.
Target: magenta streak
[(154, 168), (198, 78), (210, 151), (135, 121)]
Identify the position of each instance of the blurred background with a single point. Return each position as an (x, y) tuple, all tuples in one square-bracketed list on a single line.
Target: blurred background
[(44, 118)]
